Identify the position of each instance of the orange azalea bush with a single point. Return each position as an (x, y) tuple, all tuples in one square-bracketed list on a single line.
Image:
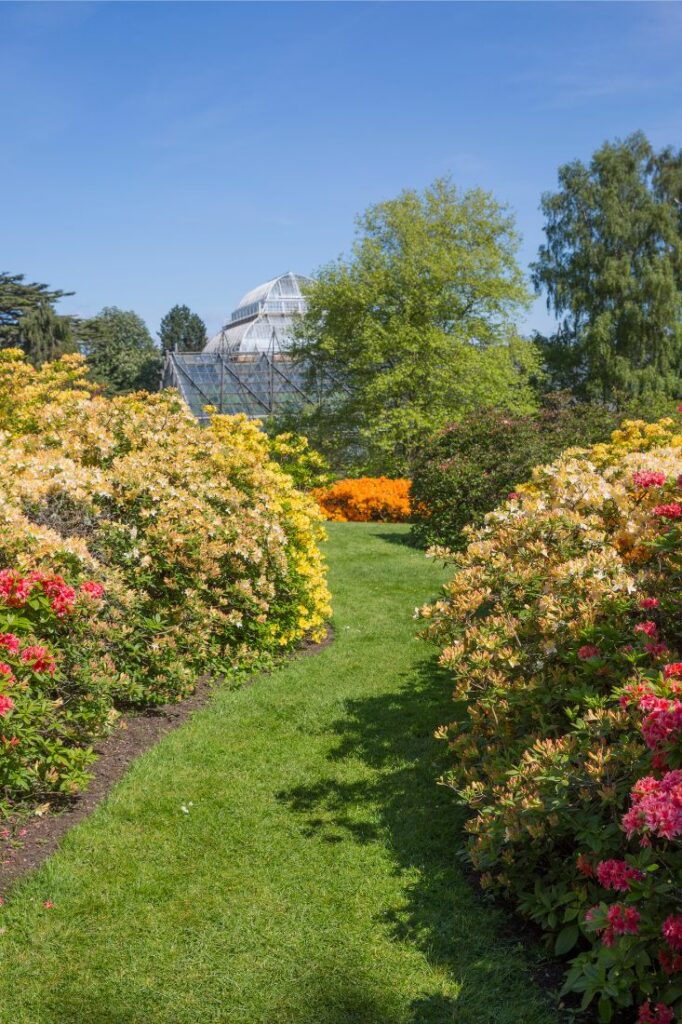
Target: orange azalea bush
[(366, 499), (562, 628)]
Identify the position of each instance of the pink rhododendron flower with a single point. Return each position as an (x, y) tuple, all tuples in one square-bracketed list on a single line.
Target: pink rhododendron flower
[(673, 510), (656, 806), (670, 964), (663, 720), (656, 650), (617, 874), (649, 628), (588, 651), (634, 693), (673, 669), (6, 705), (39, 659), (648, 602), (92, 589), (648, 478), (9, 642), (6, 674), (672, 932), (14, 588)]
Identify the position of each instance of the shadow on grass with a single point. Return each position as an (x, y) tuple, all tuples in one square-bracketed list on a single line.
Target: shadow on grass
[(405, 539), (421, 824)]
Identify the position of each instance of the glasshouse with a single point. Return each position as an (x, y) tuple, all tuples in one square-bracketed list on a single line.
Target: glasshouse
[(246, 367)]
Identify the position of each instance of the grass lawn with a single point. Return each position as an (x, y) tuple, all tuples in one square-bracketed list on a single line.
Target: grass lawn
[(314, 879)]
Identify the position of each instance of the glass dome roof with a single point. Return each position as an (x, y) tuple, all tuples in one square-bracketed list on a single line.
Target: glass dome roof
[(263, 319)]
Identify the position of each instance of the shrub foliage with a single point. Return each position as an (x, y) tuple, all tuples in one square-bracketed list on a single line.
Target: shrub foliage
[(469, 467), (206, 552), (562, 629)]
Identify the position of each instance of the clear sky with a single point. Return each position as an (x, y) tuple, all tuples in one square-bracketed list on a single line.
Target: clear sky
[(155, 153)]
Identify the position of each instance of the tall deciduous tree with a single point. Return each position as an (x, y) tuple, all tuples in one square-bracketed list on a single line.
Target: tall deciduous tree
[(45, 336), (612, 270), (18, 298), (182, 330), (418, 325), (121, 352)]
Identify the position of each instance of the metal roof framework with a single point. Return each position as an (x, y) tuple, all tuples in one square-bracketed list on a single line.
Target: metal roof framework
[(258, 384)]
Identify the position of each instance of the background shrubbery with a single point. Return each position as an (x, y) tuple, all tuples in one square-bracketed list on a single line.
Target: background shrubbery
[(206, 550), (469, 467), (366, 499), (562, 628)]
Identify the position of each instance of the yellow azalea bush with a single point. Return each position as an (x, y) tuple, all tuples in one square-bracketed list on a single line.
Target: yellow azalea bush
[(562, 628), (207, 552)]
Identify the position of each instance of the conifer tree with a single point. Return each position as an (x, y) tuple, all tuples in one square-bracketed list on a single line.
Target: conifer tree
[(611, 267), (182, 331), (45, 336)]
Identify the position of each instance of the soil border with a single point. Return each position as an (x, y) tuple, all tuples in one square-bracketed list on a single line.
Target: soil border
[(136, 732)]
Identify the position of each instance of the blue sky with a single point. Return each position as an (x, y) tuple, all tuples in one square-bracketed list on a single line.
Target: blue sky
[(159, 153)]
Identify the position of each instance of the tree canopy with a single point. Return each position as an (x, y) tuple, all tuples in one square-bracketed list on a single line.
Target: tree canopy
[(182, 330), (611, 267), (418, 325), (121, 352), (45, 336), (28, 319)]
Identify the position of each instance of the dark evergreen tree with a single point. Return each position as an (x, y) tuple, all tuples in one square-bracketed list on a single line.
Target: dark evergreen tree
[(182, 330), (17, 299), (612, 271), (121, 352), (45, 336)]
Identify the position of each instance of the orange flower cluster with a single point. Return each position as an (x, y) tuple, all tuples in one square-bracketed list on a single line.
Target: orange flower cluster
[(366, 499)]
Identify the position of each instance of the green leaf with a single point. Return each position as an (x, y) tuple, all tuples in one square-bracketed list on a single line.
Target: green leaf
[(566, 939), (605, 1010)]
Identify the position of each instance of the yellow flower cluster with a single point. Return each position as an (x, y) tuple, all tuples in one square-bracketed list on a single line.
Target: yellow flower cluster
[(207, 546)]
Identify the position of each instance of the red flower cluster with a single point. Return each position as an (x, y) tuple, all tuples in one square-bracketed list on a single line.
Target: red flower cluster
[(673, 510), (39, 659), (617, 874), (588, 651), (620, 920), (648, 602), (650, 628), (15, 590), (648, 478), (10, 642), (658, 1014), (6, 704), (674, 669)]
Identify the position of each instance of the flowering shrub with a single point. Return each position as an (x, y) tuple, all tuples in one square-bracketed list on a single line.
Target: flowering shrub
[(561, 629), (366, 499), (206, 550), (53, 692), (306, 467), (467, 468)]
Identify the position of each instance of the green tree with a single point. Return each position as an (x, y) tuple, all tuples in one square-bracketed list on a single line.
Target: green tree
[(418, 325), (18, 298), (182, 330), (612, 270), (45, 336), (121, 352)]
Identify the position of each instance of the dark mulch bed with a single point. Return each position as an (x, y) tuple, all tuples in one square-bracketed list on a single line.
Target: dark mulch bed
[(135, 733)]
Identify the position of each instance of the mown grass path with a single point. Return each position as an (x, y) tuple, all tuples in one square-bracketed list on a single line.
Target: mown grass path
[(314, 879)]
